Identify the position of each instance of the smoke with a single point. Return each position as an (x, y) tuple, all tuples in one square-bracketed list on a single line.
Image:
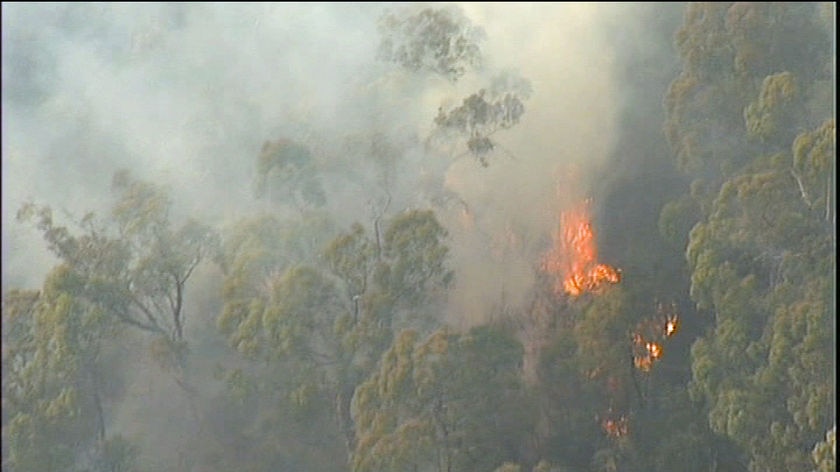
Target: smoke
[(186, 94), (182, 95), (564, 135)]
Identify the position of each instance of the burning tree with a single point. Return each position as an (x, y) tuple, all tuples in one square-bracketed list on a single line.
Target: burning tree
[(573, 264), (650, 335), (573, 259)]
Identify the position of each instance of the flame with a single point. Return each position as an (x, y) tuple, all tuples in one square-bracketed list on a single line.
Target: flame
[(651, 333), (645, 352), (643, 363), (573, 258), (615, 428), (671, 324), (655, 350)]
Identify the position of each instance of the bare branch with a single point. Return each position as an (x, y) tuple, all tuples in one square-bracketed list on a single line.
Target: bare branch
[(153, 328), (801, 188), (152, 320)]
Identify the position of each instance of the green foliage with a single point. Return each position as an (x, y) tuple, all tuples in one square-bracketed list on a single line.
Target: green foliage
[(345, 362), (569, 404), (762, 263), (322, 325), (443, 41), (300, 306), (341, 303), (414, 247), (134, 266), (814, 166), (825, 452), (673, 436), (270, 417), (676, 220), (291, 168), (351, 257), (601, 336), (484, 113), (741, 59), (128, 270), (52, 373), (254, 251), (761, 253), (438, 403), (776, 111), (439, 40)]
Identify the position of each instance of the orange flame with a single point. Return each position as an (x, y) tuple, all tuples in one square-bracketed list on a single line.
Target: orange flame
[(643, 363), (655, 350), (671, 324), (650, 334), (573, 258), (615, 428)]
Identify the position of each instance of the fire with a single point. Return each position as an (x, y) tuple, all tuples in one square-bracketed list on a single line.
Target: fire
[(573, 259), (650, 334), (655, 350), (615, 428), (645, 352), (643, 363), (671, 325)]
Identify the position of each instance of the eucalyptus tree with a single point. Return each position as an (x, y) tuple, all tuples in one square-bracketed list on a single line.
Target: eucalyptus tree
[(749, 124), (134, 265), (320, 324), (447, 402), (57, 380)]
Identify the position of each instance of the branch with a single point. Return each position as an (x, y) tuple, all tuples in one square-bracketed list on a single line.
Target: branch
[(828, 197), (193, 264), (179, 299), (149, 315), (801, 188), (376, 220), (169, 296), (153, 328)]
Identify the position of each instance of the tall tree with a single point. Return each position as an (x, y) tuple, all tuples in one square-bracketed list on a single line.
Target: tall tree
[(441, 403), (438, 40), (322, 323), (747, 120), (56, 381), (762, 264), (134, 266)]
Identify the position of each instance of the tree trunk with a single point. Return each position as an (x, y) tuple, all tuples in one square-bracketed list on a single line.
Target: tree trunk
[(345, 419), (828, 197)]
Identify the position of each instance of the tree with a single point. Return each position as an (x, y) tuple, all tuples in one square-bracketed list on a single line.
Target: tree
[(484, 113), (290, 170), (440, 403), (55, 381), (443, 41), (134, 266), (742, 117), (762, 264), (774, 115), (814, 165), (439, 40), (321, 324), (729, 53), (415, 258), (825, 452)]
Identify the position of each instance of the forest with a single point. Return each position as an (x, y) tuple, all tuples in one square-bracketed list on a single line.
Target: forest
[(421, 237)]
